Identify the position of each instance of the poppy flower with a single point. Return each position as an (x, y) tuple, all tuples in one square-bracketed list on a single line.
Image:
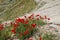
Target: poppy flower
[(20, 20), (17, 19), (33, 25), (37, 18), (48, 18), (13, 30), (40, 38), (15, 25), (45, 17), (30, 39), (31, 16), (26, 32), (11, 23), (37, 15), (26, 22), (41, 17), (1, 27), (25, 16)]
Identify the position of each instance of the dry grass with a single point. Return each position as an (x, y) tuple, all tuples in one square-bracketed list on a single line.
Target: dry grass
[(18, 9)]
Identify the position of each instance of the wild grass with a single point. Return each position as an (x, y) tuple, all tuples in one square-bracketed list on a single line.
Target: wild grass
[(18, 9)]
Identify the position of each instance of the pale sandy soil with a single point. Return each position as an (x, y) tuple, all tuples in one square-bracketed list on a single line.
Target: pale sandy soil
[(51, 9)]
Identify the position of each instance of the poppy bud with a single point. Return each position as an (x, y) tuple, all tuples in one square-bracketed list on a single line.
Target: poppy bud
[(48, 18), (30, 39)]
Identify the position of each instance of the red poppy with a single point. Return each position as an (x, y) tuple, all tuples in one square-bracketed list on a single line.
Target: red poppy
[(37, 15), (48, 18), (32, 14), (26, 32), (26, 22), (41, 17), (37, 18), (11, 23), (45, 17), (31, 17), (33, 25), (13, 30), (20, 34), (30, 39), (20, 20), (15, 25), (1, 27), (25, 16), (40, 38)]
